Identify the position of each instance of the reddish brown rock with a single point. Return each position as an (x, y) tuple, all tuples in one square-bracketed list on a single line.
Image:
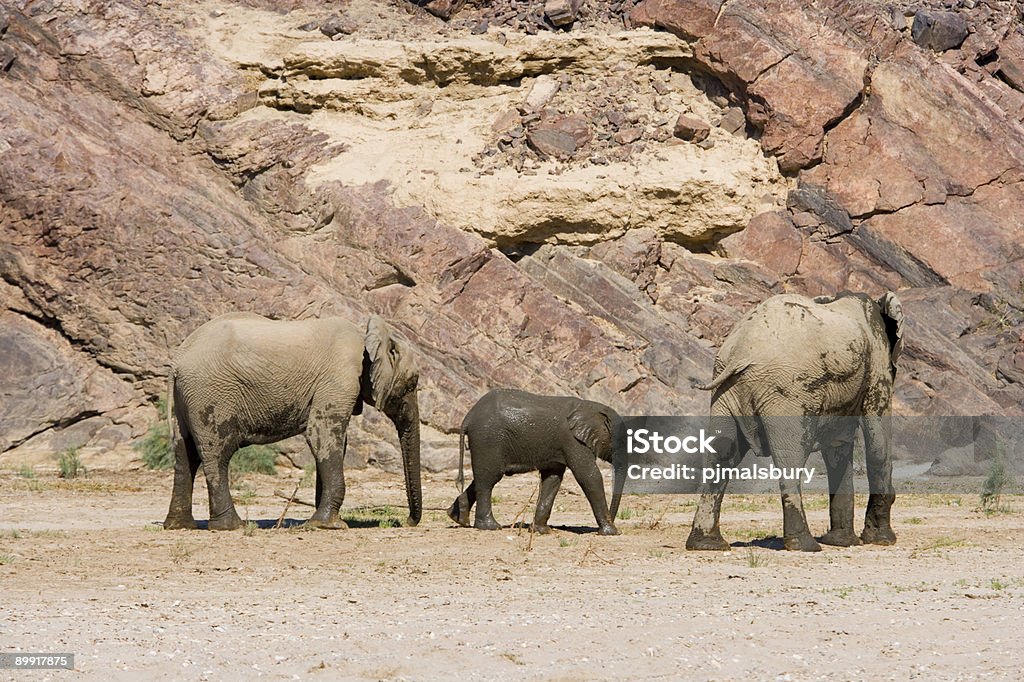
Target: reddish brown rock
[(691, 129), (561, 12), (770, 239), (444, 9)]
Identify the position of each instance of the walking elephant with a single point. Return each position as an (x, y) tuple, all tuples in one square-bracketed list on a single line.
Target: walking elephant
[(242, 379), (513, 432), (798, 375)]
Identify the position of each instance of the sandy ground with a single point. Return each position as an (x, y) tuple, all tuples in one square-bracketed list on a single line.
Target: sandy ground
[(86, 568)]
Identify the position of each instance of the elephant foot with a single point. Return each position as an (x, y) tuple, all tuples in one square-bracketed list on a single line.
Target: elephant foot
[(229, 521), (487, 524), (801, 543), (541, 528), (608, 529), (179, 522), (410, 522), (459, 512), (714, 541), (334, 523), (840, 538), (878, 536)]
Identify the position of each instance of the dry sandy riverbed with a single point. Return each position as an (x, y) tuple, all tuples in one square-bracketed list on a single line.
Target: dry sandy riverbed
[(85, 568)]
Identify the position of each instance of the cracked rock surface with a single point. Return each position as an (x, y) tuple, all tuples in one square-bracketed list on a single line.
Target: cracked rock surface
[(160, 166)]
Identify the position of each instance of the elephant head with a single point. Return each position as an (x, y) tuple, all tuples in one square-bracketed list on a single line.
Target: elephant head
[(390, 376), (593, 425)]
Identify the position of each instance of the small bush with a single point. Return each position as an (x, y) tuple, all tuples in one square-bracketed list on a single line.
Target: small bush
[(155, 446), (258, 459), (27, 472), (69, 464), (998, 479)]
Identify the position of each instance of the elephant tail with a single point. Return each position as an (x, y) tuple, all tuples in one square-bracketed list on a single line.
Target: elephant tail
[(723, 376), (462, 459)]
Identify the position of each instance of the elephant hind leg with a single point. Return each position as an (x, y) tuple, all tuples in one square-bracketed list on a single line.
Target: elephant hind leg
[(216, 459), (550, 482), (459, 511), (877, 446), (705, 533), (839, 464), (784, 438), (484, 485), (186, 465)]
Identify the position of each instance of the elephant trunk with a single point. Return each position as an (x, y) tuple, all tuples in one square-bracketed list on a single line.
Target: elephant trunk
[(619, 464), (406, 417)]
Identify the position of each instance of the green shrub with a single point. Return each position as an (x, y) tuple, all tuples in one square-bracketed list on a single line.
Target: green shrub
[(998, 479), (255, 458), (155, 446), (69, 464)]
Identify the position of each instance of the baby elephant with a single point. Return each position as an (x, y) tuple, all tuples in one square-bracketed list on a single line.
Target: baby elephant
[(512, 432)]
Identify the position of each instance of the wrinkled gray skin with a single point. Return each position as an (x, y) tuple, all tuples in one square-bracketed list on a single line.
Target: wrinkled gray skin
[(814, 360), (242, 379), (513, 432)]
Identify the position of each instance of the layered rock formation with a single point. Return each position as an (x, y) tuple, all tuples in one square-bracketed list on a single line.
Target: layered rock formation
[(159, 166)]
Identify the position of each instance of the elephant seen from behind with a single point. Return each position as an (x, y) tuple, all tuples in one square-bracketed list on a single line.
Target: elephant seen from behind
[(243, 379), (513, 432), (798, 375)]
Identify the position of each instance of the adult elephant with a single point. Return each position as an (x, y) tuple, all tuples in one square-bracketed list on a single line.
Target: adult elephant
[(798, 375), (242, 379), (513, 432)]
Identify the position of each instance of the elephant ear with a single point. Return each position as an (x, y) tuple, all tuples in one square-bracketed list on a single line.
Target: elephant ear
[(592, 426), (892, 315), (392, 370)]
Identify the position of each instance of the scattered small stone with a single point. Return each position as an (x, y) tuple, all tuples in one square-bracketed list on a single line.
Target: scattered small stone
[(561, 12), (734, 121), (628, 135), (616, 118), (505, 121), (550, 141), (660, 87), (544, 88), (310, 26), (706, 144), (480, 28), (691, 129), (444, 9), (337, 25), (216, 14)]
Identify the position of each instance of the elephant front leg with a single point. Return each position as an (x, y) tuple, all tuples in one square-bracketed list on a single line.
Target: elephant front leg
[(459, 511), (839, 464), (328, 447), (550, 482), (589, 477)]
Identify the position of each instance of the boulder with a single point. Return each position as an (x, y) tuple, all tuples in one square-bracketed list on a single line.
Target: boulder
[(939, 31)]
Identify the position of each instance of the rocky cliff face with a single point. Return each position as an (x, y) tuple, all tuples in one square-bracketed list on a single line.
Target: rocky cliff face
[(528, 209)]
